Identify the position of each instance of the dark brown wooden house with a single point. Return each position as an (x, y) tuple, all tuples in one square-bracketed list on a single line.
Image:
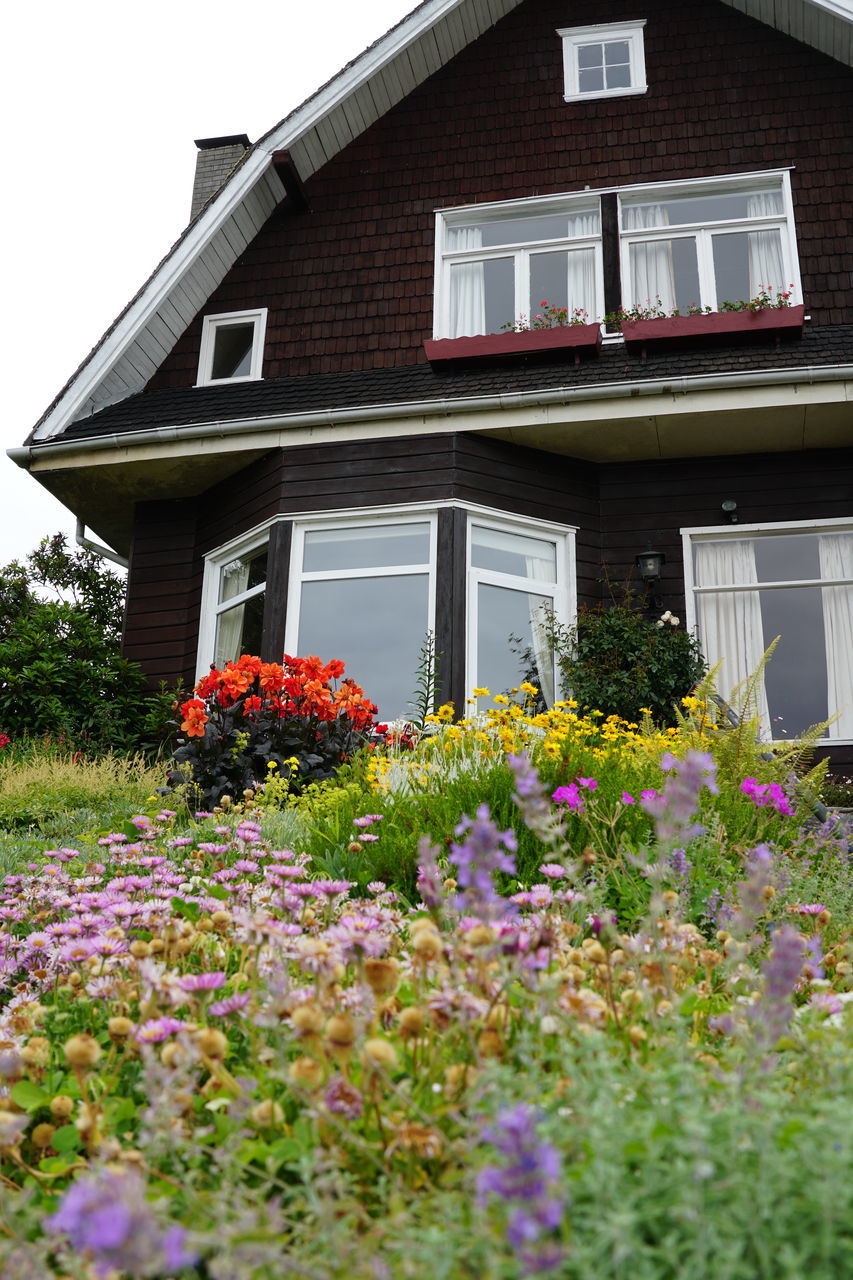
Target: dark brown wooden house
[(325, 424)]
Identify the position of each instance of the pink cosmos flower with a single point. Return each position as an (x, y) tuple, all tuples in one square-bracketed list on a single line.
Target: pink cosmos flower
[(202, 981)]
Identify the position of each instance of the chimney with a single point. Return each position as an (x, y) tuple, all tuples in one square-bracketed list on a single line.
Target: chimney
[(215, 161)]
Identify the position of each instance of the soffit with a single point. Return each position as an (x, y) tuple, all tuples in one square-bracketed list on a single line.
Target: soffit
[(143, 335)]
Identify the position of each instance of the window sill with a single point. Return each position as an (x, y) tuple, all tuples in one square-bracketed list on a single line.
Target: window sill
[(778, 322), (571, 339)]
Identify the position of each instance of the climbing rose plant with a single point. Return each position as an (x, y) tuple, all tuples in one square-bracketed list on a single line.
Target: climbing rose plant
[(255, 722)]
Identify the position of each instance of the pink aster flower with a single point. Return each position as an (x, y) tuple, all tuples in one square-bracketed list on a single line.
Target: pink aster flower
[(589, 783), (367, 819), (231, 1004), (627, 798), (552, 870), (202, 981), (367, 838), (806, 908), (156, 1030)]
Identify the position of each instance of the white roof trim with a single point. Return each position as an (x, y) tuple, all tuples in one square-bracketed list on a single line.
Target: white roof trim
[(141, 338)]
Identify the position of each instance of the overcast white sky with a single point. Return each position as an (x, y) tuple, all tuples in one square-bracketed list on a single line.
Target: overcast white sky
[(101, 103)]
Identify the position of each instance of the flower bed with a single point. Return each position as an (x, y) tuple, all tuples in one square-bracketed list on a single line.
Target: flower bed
[(221, 1057), (671, 331)]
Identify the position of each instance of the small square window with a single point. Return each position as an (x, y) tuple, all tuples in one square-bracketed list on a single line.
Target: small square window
[(232, 347), (603, 61)]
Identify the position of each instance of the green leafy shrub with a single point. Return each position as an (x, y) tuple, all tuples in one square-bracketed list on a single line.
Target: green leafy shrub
[(618, 661), (256, 724), (61, 669)]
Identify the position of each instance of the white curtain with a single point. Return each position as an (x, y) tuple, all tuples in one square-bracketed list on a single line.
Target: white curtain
[(730, 627), (836, 561), (581, 265), (467, 285), (766, 266), (229, 628), (651, 273)]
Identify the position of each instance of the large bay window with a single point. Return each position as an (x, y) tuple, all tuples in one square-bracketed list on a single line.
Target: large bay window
[(367, 587), (793, 581), (691, 245)]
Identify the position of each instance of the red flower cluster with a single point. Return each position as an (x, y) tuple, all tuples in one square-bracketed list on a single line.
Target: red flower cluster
[(4, 740), (300, 687)]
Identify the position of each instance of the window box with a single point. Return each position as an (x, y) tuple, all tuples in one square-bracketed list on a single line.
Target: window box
[(780, 322), (570, 339)]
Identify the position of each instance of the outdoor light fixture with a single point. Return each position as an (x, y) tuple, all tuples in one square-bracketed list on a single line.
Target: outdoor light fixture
[(650, 564), (730, 509)]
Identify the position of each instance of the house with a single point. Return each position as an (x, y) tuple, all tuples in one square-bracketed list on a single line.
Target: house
[(312, 430)]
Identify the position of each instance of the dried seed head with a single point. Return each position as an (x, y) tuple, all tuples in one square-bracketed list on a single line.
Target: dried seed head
[(82, 1051), (307, 1019), (340, 1031), (212, 1043), (489, 1044), (379, 1053), (427, 945), (306, 1073), (42, 1135), (36, 1053), (411, 1022), (119, 1028), (382, 975), (266, 1114), (61, 1107)]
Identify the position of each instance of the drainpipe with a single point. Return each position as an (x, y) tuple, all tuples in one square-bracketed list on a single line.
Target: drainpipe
[(106, 553)]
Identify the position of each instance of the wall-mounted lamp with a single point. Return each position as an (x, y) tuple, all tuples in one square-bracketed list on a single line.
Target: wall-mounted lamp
[(729, 507), (650, 564)]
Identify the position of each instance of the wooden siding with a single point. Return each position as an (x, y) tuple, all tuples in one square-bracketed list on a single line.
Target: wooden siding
[(350, 283)]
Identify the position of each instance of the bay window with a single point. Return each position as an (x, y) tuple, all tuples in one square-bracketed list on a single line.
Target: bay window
[(367, 587), (792, 581)]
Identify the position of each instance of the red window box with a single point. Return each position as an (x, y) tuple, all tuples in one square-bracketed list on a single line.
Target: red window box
[(779, 322), (571, 339)]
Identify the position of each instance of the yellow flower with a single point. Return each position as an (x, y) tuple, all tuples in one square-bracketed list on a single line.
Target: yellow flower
[(501, 699), (482, 693)]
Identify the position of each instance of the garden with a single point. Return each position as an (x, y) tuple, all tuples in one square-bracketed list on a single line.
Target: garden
[(523, 991)]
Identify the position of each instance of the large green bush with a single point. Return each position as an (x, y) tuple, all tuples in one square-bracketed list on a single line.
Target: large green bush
[(61, 669), (618, 661)]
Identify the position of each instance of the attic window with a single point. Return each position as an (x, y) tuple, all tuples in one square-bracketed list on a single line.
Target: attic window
[(603, 61), (232, 347)]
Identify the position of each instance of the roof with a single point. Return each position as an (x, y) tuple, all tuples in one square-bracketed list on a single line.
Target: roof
[(143, 335), (280, 398)]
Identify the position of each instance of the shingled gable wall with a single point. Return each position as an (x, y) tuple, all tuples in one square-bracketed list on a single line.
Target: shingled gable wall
[(350, 283)]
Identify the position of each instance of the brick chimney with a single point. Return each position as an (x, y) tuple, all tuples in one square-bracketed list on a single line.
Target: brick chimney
[(215, 160)]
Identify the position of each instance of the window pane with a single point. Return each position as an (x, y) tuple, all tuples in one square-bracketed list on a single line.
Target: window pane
[(376, 626), (617, 52), (795, 677), (776, 558), (482, 296), (366, 547), (745, 262), (590, 79), (232, 351), (521, 230), (239, 630), (590, 55), (514, 553), (619, 77), (242, 573), (507, 652), (664, 269), (689, 210), (563, 279)]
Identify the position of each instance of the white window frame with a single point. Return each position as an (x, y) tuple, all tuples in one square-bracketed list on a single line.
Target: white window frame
[(211, 608), (562, 592), (716, 533), (565, 597), (211, 326), (576, 38), (350, 520), (702, 233), (520, 252)]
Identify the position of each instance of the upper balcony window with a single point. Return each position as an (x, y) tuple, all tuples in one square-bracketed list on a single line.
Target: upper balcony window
[(498, 264), (232, 347), (603, 61), (703, 245)]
